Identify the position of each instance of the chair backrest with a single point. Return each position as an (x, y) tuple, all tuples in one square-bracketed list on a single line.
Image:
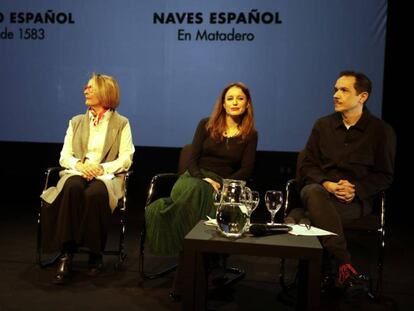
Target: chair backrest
[(293, 205), (184, 158), (161, 184), (298, 176)]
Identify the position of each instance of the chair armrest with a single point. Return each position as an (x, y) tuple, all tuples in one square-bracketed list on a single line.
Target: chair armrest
[(127, 173), (126, 179), (56, 169), (126, 176), (49, 172), (53, 169)]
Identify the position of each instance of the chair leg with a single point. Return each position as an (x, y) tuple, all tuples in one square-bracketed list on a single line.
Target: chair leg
[(376, 293), (141, 262), (226, 277), (51, 261), (122, 254), (288, 294), (237, 274), (282, 277), (156, 275), (141, 253), (120, 251)]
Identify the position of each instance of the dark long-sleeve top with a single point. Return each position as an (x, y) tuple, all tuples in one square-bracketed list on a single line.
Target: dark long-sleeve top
[(363, 154), (229, 158)]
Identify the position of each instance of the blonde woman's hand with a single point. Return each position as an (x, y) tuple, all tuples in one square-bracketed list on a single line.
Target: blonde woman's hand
[(89, 170)]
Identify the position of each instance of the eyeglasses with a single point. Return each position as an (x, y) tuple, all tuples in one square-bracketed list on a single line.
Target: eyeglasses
[(88, 88)]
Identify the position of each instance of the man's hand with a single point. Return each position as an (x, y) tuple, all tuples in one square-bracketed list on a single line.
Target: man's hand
[(343, 190)]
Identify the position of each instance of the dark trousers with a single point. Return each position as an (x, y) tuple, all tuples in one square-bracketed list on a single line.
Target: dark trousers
[(79, 216), (327, 213)]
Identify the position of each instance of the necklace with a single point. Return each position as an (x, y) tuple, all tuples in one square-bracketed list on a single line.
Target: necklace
[(231, 132)]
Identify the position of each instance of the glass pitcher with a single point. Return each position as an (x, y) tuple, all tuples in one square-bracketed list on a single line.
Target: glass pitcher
[(232, 214)]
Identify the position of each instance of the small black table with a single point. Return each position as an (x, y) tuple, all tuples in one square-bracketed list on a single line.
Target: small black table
[(206, 239)]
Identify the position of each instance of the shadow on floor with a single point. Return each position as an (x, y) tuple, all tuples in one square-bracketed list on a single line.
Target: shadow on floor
[(26, 286)]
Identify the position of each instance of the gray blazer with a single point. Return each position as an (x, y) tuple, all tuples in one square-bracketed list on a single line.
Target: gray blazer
[(80, 125)]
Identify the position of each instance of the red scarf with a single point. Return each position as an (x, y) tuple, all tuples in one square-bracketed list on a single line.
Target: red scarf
[(97, 118)]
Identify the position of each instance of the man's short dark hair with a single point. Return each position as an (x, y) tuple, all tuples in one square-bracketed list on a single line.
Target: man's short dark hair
[(362, 82)]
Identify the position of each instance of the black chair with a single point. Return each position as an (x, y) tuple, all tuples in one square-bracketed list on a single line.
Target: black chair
[(160, 186), (371, 223), (51, 177)]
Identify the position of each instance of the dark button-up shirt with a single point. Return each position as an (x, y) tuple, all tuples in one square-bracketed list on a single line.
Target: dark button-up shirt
[(363, 154)]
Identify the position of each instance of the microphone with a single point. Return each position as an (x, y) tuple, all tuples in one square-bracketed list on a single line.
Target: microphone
[(263, 229)]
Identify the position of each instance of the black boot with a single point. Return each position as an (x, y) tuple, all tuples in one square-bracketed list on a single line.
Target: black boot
[(64, 269), (95, 264)]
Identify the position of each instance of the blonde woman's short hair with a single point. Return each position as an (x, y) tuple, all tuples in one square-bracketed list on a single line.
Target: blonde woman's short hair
[(107, 90)]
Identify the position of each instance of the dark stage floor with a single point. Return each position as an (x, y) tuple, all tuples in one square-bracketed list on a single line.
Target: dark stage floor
[(26, 286)]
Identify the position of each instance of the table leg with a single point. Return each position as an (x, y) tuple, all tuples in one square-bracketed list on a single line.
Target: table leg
[(314, 284), (195, 280), (201, 281), (189, 279), (309, 287)]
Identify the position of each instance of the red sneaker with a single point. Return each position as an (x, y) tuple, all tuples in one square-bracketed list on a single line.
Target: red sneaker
[(353, 283), (346, 272)]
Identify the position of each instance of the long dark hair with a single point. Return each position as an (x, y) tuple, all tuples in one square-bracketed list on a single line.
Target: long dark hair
[(216, 125)]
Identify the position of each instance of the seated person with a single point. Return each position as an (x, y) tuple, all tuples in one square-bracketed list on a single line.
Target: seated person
[(349, 159), (224, 146), (97, 143)]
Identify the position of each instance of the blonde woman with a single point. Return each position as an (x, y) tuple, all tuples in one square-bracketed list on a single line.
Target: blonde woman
[(97, 145)]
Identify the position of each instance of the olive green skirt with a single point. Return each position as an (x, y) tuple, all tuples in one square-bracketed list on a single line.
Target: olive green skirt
[(168, 220)]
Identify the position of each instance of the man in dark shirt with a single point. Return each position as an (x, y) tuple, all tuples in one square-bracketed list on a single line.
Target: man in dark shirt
[(349, 158)]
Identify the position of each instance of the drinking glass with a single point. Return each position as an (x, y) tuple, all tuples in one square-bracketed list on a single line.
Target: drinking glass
[(216, 198), (251, 203), (274, 201), (255, 201)]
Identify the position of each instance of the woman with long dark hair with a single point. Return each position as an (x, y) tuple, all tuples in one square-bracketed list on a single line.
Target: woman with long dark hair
[(224, 146)]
